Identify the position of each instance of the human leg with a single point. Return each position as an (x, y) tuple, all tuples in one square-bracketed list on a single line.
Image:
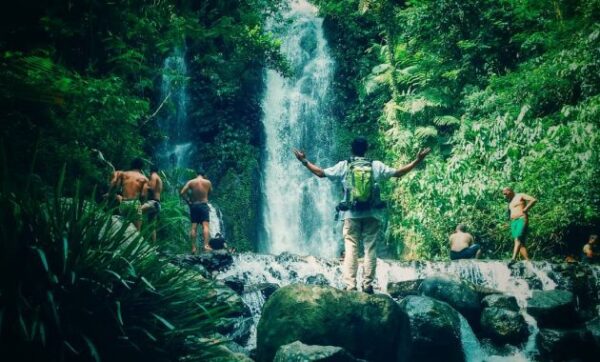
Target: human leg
[(370, 233), (193, 235), (351, 233), (206, 235)]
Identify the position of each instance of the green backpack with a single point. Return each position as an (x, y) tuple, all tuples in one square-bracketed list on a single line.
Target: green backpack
[(360, 183)]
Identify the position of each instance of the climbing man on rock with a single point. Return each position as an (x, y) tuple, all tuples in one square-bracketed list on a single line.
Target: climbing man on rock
[(361, 208), (152, 205), (195, 193), (518, 206), (131, 188), (462, 244)]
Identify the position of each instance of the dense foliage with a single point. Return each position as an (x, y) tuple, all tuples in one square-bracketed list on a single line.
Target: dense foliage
[(78, 284), (81, 77), (506, 92)]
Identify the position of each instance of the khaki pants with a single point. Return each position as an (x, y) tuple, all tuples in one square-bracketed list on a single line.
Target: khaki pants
[(354, 230)]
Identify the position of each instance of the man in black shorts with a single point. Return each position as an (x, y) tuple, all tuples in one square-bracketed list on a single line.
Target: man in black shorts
[(195, 193)]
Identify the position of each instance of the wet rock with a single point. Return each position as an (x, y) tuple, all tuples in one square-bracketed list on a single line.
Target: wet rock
[(217, 260), (484, 291), (500, 301), (503, 326), (241, 331), (235, 284), (459, 294), (566, 344), (318, 279), (298, 351), (367, 326), (552, 308), (266, 289), (403, 289), (434, 331), (286, 257)]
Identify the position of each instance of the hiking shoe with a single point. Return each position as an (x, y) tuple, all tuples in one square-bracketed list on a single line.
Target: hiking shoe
[(350, 289), (368, 289)]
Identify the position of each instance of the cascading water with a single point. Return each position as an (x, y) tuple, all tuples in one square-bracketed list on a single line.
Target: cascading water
[(298, 208), (518, 281), (176, 149)]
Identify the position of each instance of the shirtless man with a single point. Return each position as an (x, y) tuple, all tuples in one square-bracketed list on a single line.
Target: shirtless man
[(200, 187), (590, 254), (462, 246), (518, 206), (151, 207), (132, 184)]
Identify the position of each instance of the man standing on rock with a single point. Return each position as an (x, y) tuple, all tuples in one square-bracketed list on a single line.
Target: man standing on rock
[(131, 185), (462, 246), (518, 206), (362, 219), (199, 188), (152, 206)]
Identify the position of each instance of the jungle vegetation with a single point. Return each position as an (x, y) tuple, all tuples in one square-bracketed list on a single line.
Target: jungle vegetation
[(507, 93)]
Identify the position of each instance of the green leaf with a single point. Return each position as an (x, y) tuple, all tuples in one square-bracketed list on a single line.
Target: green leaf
[(148, 284), (119, 316), (92, 348), (164, 321), (42, 256)]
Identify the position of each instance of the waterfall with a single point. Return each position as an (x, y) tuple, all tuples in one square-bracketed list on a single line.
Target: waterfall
[(176, 149), (298, 208)]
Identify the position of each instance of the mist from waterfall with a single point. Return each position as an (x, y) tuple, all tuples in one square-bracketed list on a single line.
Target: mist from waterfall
[(298, 208), (176, 149)]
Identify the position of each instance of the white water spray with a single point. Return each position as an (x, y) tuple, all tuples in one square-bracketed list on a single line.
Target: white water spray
[(298, 208)]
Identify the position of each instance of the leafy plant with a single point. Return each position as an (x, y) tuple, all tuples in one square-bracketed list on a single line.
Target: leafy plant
[(79, 284)]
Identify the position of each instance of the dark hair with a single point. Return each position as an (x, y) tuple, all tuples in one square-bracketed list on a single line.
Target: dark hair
[(137, 164), (200, 171), (461, 227), (359, 146), (154, 168)]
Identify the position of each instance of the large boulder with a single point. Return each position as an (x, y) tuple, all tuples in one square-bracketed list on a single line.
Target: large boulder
[(552, 308), (399, 290), (500, 301), (503, 326), (459, 294), (434, 331), (566, 344), (367, 326), (300, 352)]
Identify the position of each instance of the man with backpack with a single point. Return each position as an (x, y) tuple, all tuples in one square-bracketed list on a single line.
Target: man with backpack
[(361, 208)]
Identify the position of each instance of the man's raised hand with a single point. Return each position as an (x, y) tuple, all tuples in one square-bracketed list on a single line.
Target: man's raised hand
[(423, 152), (300, 155)]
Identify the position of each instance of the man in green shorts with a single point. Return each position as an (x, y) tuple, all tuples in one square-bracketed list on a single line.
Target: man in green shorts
[(518, 206)]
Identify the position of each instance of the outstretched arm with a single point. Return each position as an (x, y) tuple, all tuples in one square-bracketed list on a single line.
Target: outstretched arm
[(406, 168), (311, 166)]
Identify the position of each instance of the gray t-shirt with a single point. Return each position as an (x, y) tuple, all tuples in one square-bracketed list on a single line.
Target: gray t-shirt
[(380, 172)]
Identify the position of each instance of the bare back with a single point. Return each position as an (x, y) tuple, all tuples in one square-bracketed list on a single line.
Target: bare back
[(200, 188), (156, 185), (132, 183), (460, 240)]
